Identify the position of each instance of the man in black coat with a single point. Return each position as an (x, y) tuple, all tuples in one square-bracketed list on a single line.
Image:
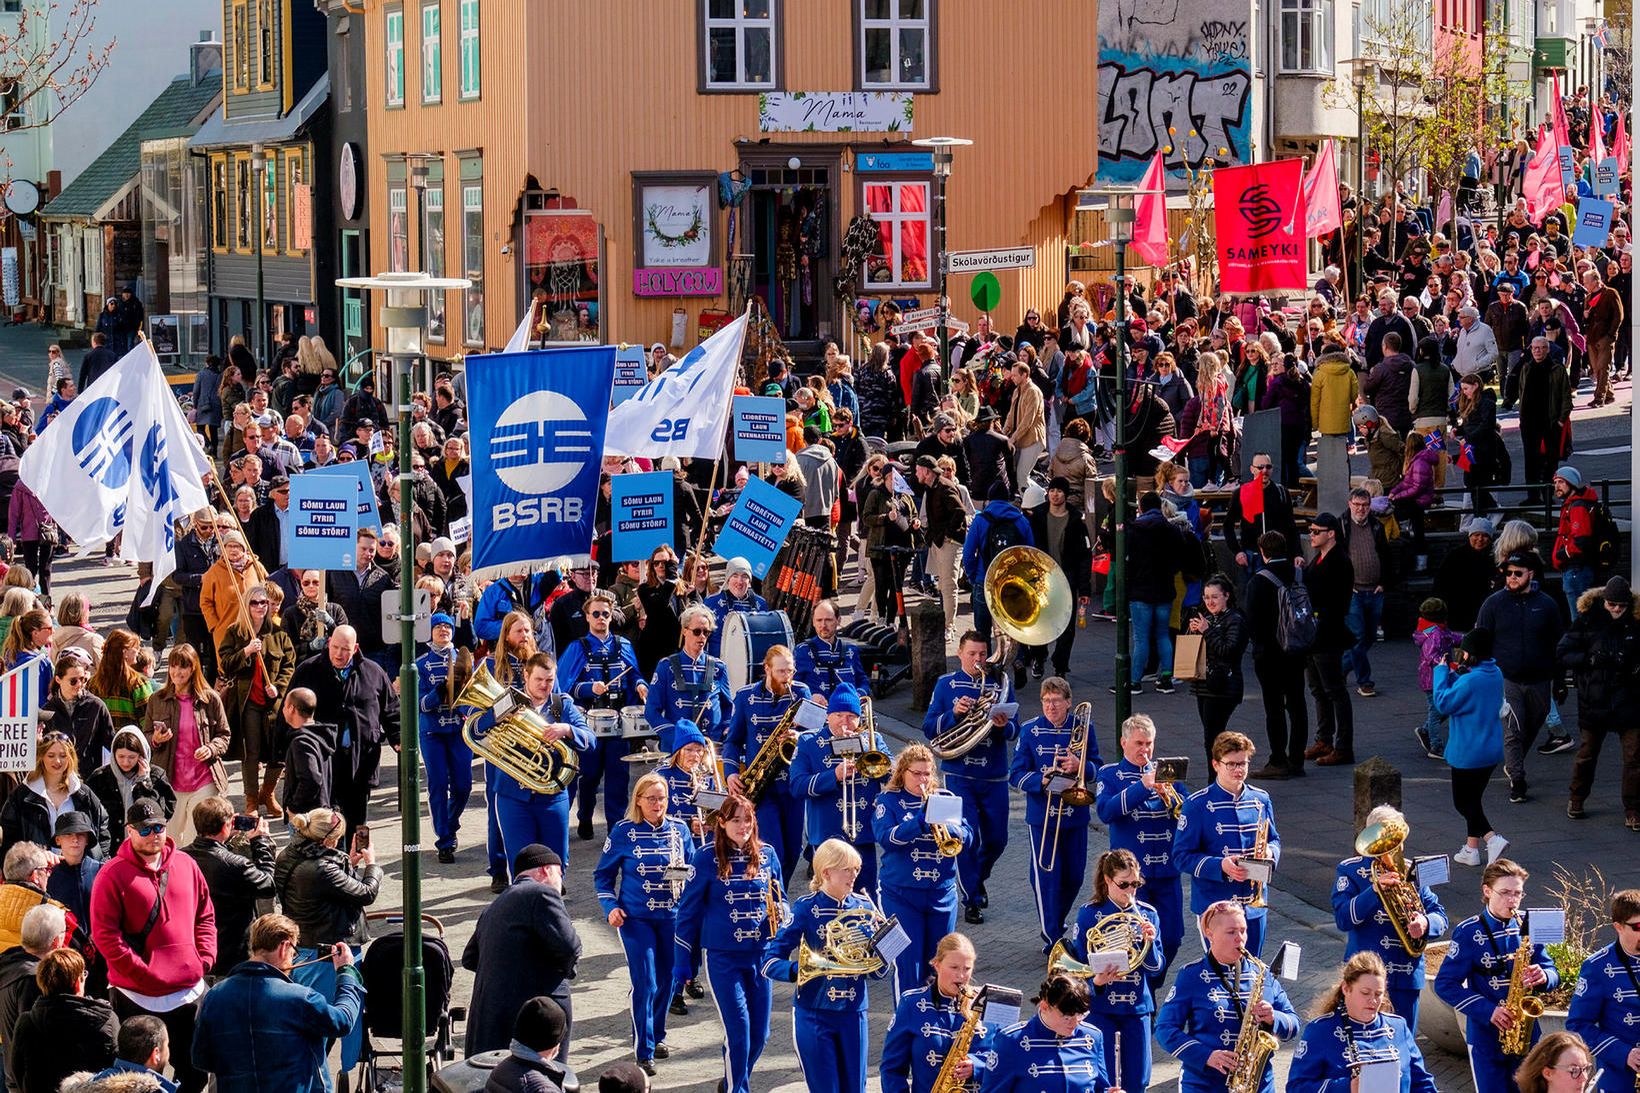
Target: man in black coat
[(196, 552), (990, 456), (236, 881), (359, 697), (265, 530), (309, 752), (524, 945), (1330, 579), (1059, 528), (98, 359), (1258, 506), (1280, 673), (1155, 554)]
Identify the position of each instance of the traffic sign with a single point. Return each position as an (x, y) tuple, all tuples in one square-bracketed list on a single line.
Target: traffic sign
[(972, 261), (986, 291), (956, 324), (919, 313)]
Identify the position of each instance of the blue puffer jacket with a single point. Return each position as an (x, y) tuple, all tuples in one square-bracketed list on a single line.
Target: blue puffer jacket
[(1473, 700)]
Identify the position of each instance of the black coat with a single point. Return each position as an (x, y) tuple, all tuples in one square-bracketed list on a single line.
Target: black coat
[(1075, 552), (1263, 608), (1155, 549), (27, 818), (363, 706), (262, 534), (236, 883), (87, 721), (524, 945), (61, 1034), (151, 786), (1603, 654), (990, 458), (323, 893), (1226, 642), (194, 559), (1464, 581), (1330, 580), (18, 991), (1241, 533), (307, 768)]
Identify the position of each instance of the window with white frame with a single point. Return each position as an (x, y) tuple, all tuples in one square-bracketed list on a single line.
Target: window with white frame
[(398, 229), (901, 213), (469, 49), (394, 24), (739, 43), (1306, 36), (432, 254), (895, 42), (472, 256), (91, 258), (1393, 28), (432, 53)]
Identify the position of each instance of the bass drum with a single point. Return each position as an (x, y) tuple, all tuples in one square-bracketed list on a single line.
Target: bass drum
[(747, 636)]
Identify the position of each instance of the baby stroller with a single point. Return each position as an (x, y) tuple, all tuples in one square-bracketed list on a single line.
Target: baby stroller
[(383, 972)]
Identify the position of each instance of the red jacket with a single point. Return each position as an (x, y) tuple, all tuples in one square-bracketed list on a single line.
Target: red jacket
[(182, 945), (1574, 540)]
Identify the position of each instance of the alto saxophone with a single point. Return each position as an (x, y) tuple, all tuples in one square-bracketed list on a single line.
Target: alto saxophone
[(1254, 1045), (1520, 1004), (946, 1081)]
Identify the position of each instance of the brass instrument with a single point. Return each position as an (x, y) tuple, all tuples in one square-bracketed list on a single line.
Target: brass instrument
[(946, 1081), (1261, 846), (949, 845), (677, 865), (1076, 796), (1061, 961), (1383, 843), (515, 743), (1520, 1003), (460, 663), (1123, 930), (773, 759), (773, 901), (1254, 1044), (708, 778), (848, 946), (868, 763), (973, 727), (1171, 799)]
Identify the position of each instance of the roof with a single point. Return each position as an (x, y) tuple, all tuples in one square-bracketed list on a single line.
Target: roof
[(218, 132), (179, 107)]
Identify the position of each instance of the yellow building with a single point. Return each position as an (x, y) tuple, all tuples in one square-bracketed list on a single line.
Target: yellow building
[(582, 152)]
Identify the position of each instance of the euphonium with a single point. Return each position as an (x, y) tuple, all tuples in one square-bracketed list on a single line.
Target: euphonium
[(946, 1081), (1521, 1004), (1254, 1044), (514, 742), (847, 947), (1383, 843)]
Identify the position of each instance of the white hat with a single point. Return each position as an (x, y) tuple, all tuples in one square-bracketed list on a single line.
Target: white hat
[(738, 565)]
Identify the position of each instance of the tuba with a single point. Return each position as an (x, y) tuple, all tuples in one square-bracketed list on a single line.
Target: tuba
[(1383, 843), (1254, 1045), (848, 946), (514, 742)]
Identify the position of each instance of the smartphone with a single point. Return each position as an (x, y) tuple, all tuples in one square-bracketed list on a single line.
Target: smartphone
[(361, 837), (244, 823)]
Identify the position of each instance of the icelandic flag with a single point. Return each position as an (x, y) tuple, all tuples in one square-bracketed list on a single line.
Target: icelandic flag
[(1600, 37), (684, 411), (122, 457)]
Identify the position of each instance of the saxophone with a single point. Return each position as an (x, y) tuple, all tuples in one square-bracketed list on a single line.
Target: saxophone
[(946, 1081), (1520, 1003), (1254, 1045)]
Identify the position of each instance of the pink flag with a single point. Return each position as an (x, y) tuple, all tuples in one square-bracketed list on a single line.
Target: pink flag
[(1541, 185), (1563, 132), (1597, 139), (1150, 227), (1620, 144), (1321, 211)]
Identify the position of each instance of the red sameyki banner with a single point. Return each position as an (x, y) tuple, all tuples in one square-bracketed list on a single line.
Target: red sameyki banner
[(1258, 216)]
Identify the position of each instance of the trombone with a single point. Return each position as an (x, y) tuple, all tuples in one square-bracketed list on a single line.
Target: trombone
[(1077, 795), (710, 788), (868, 763)]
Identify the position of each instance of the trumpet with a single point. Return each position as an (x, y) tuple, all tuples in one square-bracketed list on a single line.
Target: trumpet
[(949, 845), (708, 779), (1074, 796), (1171, 800)]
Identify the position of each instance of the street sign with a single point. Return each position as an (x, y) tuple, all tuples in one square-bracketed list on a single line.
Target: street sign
[(915, 325), (920, 313), (986, 291), (956, 324), (972, 261)]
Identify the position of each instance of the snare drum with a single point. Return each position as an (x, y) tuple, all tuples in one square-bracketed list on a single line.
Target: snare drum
[(747, 636), (605, 724), (633, 723)]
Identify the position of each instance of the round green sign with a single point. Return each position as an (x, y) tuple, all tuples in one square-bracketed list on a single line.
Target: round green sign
[(986, 291)]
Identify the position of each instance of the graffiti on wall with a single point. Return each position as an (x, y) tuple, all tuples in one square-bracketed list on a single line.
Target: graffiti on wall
[(1171, 64)]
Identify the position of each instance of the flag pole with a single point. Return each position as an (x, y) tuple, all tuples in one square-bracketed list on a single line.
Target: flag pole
[(717, 463)]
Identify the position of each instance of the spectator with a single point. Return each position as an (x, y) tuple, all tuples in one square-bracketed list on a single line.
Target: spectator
[(311, 619), (1155, 553), (258, 657), (130, 776), (74, 710), (1025, 425), (1467, 574), (1385, 451), (533, 1066), (1415, 493), (987, 456), (1602, 649), (30, 813), (1289, 392), (152, 919), (63, 1031), (1511, 327), (224, 589), (1576, 552), (882, 401), (1477, 349), (1469, 692), (1545, 413), (142, 1051), (102, 355), (123, 689), (1219, 687), (35, 533), (1435, 642), (308, 755), (265, 533), (1526, 625), (887, 512), (1329, 579), (1482, 448), (65, 392), (944, 523), (238, 878), (74, 629), (1602, 321), (71, 880), (208, 401), (1429, 394), (42, 928), (188, 728), (1061, 532), (1257, 506), (260, 1031), (1374, 567), (1389, 383), (363, 407), (359, 696)]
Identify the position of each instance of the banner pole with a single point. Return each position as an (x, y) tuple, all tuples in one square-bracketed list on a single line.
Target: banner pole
[(717, 462)]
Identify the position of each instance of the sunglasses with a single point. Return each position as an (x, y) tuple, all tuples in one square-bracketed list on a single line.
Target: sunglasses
[(1517, 572), (72, 681), (148, 831), (1635, 926), (1128, 885), (598, 614), (1261, 466), (699, 631), (259, 603)]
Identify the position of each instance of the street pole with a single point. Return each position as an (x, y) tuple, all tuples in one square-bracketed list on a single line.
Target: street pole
[(1360, 188), (259, 168), (1121, 220), (415, 980), (942, 148)]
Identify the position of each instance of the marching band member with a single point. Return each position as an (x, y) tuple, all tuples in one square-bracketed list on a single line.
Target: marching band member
[(1605, 1008), (513, 643), (684, 772), (1121, 1002), (1142, 816), (829, 1011), (1055, 1044), (1222, 825), (691, 684), (638, 880), (1201, 1019), (1364, 916), (735, 595), (1045, 750), (1352, 1026), (839, 796), (1561, 1063), (918, 880), (824, 660), (448, 759), (526, 816), (727, 914), (979, 776), (758, 709), (927, 1021), (600, 671), (1475, 976)]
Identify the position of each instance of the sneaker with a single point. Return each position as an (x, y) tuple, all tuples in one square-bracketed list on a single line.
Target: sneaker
[(1495, 846), (1517, 793), (1366, 690), (1469, 855), (1556, 744), (1425, 743), (1574, 811), (1632, 821), (446, 856), (1164, 685), (1133, 688)]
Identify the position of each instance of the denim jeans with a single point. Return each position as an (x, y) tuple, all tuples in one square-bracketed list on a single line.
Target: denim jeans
[(1574, 581), (1366, 609), (1435, 728), (1150, 632)]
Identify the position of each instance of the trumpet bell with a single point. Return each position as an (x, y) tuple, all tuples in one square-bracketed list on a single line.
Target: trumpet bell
[(1029, 595), (1379, 839), (875, 765)]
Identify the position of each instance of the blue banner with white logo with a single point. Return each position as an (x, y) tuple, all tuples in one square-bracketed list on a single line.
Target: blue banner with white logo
[(322, 528), (760, 429), (538, 422), (758, 525), (366, 514), (1594, 222), (640, 514)]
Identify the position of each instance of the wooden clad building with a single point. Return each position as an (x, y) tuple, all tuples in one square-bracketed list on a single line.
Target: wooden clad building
[(642, 164)]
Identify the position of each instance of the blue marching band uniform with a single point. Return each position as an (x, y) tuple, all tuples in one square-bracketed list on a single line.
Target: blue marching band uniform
[(829, 1012), (723, 922), (632, 876), (448, 759), (1126, 1003), (723, 603), (1359, 911), (587, 661), (1605, 1011), (822, 665), (1030, 1058), (1203, 1014), (525, 816), (1041, 743), (780, 812), (1474, 979), (1213, 825), (920, 1037), (1141, 822), (815, 780), (1333, 1045), (917, 884), (689, 688), (979, 777)]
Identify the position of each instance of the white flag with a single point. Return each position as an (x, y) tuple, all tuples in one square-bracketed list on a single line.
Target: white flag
[(683, 411), (121, 457), (520, 340)]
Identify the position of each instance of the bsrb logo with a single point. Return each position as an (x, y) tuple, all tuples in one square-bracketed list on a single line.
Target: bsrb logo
[(541, 443), (102, 443)]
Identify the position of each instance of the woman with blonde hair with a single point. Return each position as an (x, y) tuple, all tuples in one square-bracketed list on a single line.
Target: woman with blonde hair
[(17, 601), (187, 724), (74, 630), (911, 850), (50, 790), (30, 639), (259, 657), (117, 682), (1354, 1022)]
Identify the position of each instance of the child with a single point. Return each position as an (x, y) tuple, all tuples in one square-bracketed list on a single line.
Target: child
[(1435, 642)]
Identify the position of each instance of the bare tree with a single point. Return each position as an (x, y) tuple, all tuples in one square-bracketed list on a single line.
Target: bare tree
[(45, 69)]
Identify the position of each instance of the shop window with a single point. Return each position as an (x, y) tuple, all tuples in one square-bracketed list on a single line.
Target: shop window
[(270, 205), (739, 44), (432, 253), (472, 257), (244, 205), (398, 230), (901, 212), (240, 46), (219, 202), (895, 44), (393, 22), (561, 258)]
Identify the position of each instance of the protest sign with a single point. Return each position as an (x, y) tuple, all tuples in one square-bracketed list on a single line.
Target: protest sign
[(641, 514), (760, 429), (758, 525), (358, 472), (322, 528)]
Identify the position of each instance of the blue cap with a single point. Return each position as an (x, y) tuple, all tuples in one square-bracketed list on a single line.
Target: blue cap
[(680, 735), (442, 618), (844, 699)]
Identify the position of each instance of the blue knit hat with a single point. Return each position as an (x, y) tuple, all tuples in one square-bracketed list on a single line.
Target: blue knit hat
[(441, 618), (844, 699), (676, 737)]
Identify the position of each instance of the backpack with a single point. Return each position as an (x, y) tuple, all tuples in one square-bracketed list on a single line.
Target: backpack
[(1604, 534), (999, 537), (1295, 616)]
